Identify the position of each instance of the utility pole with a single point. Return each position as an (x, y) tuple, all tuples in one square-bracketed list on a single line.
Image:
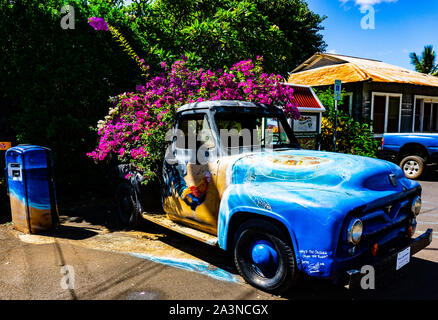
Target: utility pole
[(338, 88)]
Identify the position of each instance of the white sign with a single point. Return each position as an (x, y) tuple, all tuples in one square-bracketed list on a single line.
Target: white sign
[(306, 124), (403, 258), (338, 89)]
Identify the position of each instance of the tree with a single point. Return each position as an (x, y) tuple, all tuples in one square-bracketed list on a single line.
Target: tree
[(426, 63), (55, 83), (216, 33)]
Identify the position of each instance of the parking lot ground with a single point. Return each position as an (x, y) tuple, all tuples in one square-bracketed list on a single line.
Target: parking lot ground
[(31, 267), (155, 263)]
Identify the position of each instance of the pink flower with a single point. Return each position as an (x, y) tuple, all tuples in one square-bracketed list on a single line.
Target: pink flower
[(98, 23), (135, 131), (128, 176)]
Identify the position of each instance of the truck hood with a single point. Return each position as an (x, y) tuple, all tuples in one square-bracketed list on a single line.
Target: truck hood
[(319, 170)]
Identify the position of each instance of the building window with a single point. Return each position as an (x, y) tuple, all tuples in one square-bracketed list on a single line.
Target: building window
[(379, 114), (394, 110), (347, 105), (417, 119), (426, 114), (386, 112), (435, 118), (427, 117)]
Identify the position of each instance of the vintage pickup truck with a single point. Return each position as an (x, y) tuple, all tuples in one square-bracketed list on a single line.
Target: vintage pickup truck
[(280, 211), (412, 151)]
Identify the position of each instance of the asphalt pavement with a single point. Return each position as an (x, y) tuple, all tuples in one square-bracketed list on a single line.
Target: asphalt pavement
[(88, 260)]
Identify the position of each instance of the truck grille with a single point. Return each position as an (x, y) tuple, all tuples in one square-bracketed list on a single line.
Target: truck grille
[(385, 225)]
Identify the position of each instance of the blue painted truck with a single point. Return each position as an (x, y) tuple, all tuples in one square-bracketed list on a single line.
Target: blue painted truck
[(414, 152), (280, 211)]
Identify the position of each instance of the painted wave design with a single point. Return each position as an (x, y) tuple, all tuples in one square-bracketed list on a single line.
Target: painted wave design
[(191, 265)]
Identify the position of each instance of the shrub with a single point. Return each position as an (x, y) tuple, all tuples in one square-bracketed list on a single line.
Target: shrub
[(352, 137)]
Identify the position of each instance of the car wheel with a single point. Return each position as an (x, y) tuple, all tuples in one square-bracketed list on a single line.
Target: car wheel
[(413, 167), (128, 208), (264, 258)]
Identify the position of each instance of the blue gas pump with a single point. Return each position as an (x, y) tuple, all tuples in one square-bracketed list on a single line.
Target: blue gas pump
[(31, 188)]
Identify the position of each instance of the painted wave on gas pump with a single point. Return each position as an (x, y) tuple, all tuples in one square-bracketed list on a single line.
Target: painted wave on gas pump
[(40, 217)]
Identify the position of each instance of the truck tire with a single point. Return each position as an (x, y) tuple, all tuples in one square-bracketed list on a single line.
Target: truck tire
[(264, 258), (128, 207), (413, 167)]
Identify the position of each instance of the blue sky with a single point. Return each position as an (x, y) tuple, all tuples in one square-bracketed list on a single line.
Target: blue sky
[(401, 27)]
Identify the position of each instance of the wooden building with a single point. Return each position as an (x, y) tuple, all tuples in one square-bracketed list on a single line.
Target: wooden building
[(393, 98)]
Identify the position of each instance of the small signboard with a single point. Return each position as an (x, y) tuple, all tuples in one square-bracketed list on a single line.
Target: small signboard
[(338, 89), (5, 146), (307, 123)]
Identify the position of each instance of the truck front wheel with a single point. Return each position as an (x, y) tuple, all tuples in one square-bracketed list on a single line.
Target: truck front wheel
[(413, 167), (264, 258)]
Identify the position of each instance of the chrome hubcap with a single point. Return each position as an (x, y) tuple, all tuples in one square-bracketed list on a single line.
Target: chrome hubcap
[(411, 168)]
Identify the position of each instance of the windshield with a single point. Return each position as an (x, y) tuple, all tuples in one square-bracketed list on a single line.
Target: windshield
[(243, 130)]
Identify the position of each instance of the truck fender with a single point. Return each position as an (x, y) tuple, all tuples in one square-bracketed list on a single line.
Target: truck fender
[(228, 211)]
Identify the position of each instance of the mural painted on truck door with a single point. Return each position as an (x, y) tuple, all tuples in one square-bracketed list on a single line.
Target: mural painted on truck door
[(190, 195), (193, 195), (190, 192)]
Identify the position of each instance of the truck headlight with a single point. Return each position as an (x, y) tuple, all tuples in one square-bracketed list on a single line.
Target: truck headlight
[(416, 206), (355, 232)]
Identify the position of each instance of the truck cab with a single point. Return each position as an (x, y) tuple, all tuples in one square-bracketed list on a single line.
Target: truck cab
[(234, 176)]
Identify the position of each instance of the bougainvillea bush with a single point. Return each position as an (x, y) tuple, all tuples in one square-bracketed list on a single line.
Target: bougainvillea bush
[(135, 128)]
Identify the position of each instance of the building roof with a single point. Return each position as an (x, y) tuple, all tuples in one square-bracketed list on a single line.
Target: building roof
[(306, 99), (323, 69)]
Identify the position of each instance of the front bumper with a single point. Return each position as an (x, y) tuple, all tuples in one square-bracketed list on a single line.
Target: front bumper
[(388, 264)]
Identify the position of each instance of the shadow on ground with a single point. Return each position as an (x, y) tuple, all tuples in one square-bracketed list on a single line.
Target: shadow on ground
[(431, 175), (72, 233), (417, 281)]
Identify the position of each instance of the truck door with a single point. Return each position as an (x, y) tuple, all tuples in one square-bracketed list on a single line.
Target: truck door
[(190, 179)]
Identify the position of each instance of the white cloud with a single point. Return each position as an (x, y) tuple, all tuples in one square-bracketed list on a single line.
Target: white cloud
[(364, 3)]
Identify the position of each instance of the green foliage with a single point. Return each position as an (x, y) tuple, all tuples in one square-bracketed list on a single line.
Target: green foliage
[(4, 201), (216, 33), (352, 137), (427, 62), (55, 83)]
